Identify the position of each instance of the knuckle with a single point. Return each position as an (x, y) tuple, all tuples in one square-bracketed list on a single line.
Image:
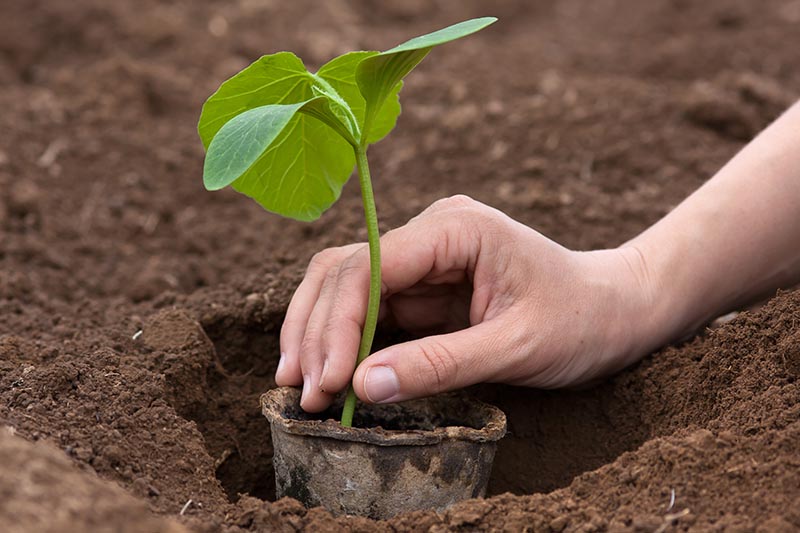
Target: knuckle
[(440, 366), (492, 227), (349, 276), (462, 200), (317, 262), (456, 201), (331, 275), (322, 260), (350, 268), (486, 222), (392, 232)]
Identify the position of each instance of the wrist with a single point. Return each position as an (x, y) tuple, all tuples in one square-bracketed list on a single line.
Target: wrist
[(668, 306), (638, 320), (624, 325)]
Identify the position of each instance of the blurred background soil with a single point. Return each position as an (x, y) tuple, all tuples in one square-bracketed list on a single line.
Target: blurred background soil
[(139, 314)]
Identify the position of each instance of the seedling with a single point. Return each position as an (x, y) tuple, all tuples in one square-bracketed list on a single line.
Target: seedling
[(289, 138)]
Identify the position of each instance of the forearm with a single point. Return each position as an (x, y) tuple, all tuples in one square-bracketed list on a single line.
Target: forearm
[(733, 240)]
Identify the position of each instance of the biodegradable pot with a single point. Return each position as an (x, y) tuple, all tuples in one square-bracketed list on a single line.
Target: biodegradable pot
[(421, 454)]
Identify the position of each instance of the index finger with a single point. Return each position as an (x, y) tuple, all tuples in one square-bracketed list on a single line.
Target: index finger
[(299, 311), (426, 248)]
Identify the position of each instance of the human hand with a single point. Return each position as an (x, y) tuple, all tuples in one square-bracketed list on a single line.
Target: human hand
[(508, 305)]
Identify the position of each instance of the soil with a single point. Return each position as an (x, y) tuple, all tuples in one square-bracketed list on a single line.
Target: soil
[(139, 314)]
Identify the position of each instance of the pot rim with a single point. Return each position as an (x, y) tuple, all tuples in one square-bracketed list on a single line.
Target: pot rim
[(275, 401)]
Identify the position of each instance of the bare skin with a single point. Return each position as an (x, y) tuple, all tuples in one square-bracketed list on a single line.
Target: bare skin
[(500, 302)]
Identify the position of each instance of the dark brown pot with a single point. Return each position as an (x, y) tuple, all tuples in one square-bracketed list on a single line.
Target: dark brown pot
[(422, 454)]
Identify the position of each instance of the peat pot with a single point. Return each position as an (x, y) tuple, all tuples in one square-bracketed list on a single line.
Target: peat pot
[(421, 454)]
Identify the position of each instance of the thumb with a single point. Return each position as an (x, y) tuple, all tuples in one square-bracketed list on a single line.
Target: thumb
[(429, 366)]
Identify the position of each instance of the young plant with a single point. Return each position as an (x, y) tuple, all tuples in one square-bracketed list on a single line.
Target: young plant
[(289, 138)]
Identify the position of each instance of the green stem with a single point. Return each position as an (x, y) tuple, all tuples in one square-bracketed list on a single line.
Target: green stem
[(373, 236)]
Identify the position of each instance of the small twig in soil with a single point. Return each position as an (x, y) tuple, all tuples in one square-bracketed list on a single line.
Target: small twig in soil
[(150, 224), (90, 206), (587, 169), (227, 453), (52, 152), (670, 519), (186, 507)]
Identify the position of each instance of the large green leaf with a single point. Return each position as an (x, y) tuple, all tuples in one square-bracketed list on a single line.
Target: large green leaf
[(297, 162), (282, 79), (290, 162), (282, 135), (340, 73), (377, 75), (302, 174)]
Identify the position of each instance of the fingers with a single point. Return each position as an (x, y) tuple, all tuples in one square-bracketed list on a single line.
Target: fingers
[(330, 343), (341, 331), (431, 365), (333, 331), (289, 372), (321, 334), (437, 247), (312, 358)]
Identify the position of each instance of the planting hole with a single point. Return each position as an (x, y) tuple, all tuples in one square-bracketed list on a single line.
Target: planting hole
[(236, 434), (553, 436)]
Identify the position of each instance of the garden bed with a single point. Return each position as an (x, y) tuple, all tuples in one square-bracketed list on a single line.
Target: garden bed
[(139, 315)]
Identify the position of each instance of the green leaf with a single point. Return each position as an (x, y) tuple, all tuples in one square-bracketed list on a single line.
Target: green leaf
[(273, 79), (286, 157), (283, 79), (340, 73), (242, 140), (284, 136), (296, 163), (378, 74)]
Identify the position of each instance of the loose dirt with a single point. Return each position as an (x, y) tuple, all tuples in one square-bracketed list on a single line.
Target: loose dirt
[(139, 315)]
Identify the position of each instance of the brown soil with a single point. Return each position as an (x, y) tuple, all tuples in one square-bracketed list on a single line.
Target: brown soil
[(586, 120)]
